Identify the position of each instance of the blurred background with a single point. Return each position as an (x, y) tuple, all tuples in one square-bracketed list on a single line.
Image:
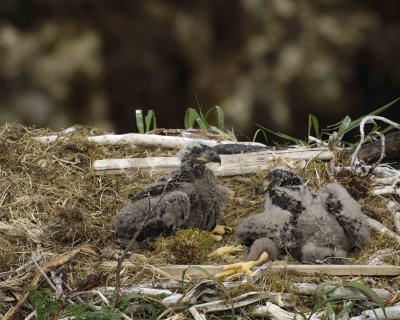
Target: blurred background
[(270, 62)]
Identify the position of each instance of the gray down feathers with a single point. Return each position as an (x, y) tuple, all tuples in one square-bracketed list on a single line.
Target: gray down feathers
[(191, 199), (313, 227)]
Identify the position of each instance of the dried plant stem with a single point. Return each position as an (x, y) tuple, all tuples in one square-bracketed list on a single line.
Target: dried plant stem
[(131, 243)]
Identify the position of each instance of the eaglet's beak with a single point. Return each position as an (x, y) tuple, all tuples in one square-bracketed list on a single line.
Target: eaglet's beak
[(209, 156)]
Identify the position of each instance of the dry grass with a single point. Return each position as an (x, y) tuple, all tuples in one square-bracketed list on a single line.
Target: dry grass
[(51, 201)]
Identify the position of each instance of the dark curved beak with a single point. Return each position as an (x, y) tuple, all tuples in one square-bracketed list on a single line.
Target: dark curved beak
[(209, 155), (214, 157)]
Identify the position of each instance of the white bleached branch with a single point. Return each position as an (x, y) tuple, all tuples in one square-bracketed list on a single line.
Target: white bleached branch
[(312, 288), (392, 313), (272, 311), (382, 229), (236, 164), (146, 140), (394, 209)]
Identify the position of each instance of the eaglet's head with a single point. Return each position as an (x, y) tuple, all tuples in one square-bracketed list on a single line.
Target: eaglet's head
[(197, 153), (279, 177)]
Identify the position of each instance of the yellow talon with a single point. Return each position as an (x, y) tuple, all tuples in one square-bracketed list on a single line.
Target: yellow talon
[(225, 250), (221, 230), (216, 237), (242, 267)]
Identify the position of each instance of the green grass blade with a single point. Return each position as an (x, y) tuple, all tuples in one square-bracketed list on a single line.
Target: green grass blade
[(313, 124), (220, 118), (192, 117), (207, 274), (367, 291), (354, 124), (139, 120), (187, 121), (344, 125), (345, 310), (150, 120), (387, 129), (330, 312), (284, 136)]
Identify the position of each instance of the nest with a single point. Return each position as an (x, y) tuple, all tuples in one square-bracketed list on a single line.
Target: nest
[(51, 201)]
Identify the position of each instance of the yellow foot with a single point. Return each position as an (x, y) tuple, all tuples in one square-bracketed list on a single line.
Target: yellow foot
[(221, 230), (241, 267), (216, 237), (225, 251)]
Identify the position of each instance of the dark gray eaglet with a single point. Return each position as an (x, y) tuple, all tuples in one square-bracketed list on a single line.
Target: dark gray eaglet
[(297, 220), (188, 198)]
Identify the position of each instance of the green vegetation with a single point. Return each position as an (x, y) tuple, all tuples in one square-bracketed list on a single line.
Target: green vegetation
[(45, 303), (192, 119), (325, 300), (48, 307), (147, 123), (188, 246), (341, 128)]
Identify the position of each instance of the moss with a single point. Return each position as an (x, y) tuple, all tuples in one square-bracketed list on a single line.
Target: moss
[(189, 246)]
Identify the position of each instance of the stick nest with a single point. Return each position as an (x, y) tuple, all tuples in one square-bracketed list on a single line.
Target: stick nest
[(51, 201)]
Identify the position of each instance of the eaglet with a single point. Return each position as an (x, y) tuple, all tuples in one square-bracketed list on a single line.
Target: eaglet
[(188, 198), (312, 227)]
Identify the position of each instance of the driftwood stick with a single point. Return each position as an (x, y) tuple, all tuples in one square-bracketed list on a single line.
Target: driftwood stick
[(371, 119), (237, 164), (382, 229), (237, 302), (394, 209), (196, 314), (311, 288), (272, 311), (330, 269), (392, 313), (378, 191), (146, 140), (371, 152)]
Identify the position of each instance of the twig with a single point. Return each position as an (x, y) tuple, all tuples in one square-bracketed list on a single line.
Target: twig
[(132, 241), (44, 275), (22, 267), (196, 314), (193, 290), (377, 191), (32, 315), (382, 229)]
